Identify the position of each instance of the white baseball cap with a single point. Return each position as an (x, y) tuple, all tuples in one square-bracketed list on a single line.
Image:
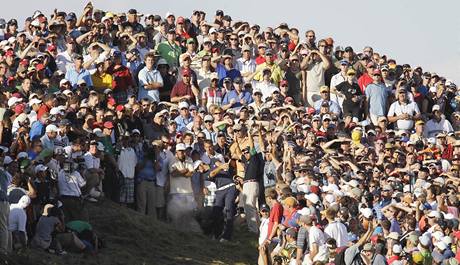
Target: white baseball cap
[(34, 101), (183, 104), (13, 100), (397, 249), (63, 81), (180, 147), (51, 128), (434, 214), (366, 212), (312, 197)]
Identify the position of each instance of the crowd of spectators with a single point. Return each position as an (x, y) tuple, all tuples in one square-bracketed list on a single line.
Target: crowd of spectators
[(331, 154)]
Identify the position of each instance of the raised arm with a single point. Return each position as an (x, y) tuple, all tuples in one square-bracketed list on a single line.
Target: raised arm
[(323, 57)]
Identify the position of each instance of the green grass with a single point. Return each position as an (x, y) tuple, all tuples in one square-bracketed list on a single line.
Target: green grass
[(134, 239)]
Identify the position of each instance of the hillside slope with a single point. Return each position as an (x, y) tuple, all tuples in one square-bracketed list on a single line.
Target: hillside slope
[(135, 239)]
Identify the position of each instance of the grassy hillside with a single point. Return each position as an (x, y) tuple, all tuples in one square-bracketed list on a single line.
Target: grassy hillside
[(135, 239)]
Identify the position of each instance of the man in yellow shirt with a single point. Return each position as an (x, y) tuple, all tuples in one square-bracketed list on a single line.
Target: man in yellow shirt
[(277, 73), (101, 80)]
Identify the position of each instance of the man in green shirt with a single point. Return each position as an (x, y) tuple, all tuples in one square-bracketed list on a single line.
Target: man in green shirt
[(169, 50)]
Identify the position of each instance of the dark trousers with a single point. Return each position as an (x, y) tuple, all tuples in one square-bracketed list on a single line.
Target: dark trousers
[(225, 202)]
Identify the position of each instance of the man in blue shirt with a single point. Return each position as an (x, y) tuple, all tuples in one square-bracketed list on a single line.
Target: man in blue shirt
[(325, 100), (226, 69), (385, 199), (150, 80), (37, 128), (237, 97), (184, 118), (77, 72), (377, 97)]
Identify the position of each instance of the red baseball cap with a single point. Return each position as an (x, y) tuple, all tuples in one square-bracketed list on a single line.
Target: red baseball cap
[(314, 189), (120, 108), (311, 110), (111, 101), (108, 125), (52, 48), (180, 20), (283, 82), (288, 99), (24, 62), (39, 67), (186, 72), (9, 53), (376, 72)]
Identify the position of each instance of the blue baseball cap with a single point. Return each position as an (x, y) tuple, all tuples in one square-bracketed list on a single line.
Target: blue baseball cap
[(344, 62)]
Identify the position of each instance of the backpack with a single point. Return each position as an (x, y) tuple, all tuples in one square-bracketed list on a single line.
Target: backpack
[(340, 257)]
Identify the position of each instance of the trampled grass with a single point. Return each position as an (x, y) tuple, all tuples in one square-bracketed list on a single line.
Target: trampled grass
[(132, 239)]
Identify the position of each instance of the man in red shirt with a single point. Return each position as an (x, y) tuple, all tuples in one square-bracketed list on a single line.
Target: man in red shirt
[(276, 214), (48, 102), (261, 57), (180, 28), (366, 78), (184, 89), (122, 79)]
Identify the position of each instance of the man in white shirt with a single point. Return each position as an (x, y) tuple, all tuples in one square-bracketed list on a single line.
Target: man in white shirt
[(335, 229), (93, 173), (337, 79), (165, 159), (64, 59), (127, 161), (70, 183), (316, 239), (17, 222), (437, 124), (246, 65), (182, 202), (403, 112), (95, 56), (266, 86)]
